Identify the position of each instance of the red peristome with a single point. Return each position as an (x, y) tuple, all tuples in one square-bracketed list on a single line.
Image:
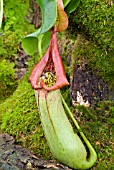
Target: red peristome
[(37, 71), (61, 79)]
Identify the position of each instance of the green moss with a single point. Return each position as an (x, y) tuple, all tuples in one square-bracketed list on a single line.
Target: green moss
[(19, 117), (8, 81), (16, 26), (95, 18)]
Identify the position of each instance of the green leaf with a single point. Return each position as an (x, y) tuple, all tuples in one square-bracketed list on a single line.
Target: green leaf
[(1, 12), (30, 43), (65, 2), (72, 6), (43, 42), (49, 14), (46, 40)]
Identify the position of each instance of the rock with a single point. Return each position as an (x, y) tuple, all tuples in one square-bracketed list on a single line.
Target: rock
[(21, 65), (21, 72), (16, 157), (87, 88)]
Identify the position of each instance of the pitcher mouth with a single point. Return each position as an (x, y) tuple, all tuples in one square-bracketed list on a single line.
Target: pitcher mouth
[(49, 72), (48, 78)]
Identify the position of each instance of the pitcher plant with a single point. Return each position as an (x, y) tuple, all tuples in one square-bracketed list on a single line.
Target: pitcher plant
[(47, 77)]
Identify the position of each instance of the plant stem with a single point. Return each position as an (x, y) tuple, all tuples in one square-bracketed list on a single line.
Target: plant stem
[(70, 114), (40, 37), (1, 12)]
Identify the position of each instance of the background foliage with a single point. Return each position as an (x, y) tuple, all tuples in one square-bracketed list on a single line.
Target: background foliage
[(14, 28)]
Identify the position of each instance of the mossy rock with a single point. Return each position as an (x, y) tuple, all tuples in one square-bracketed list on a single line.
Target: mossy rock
[(87, 52), (95, 21)]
